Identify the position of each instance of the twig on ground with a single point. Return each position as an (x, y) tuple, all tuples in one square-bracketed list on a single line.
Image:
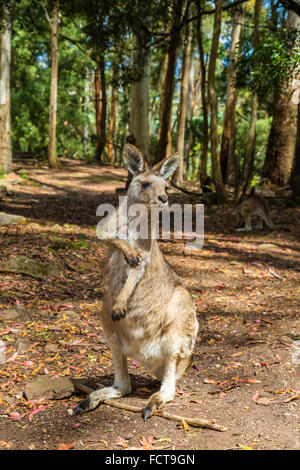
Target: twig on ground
[(203, 423)]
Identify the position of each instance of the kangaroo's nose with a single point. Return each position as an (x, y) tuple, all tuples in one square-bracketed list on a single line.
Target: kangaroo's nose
[(162, 199)]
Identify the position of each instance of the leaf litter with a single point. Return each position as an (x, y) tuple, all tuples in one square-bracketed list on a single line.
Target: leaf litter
[(245, 312)]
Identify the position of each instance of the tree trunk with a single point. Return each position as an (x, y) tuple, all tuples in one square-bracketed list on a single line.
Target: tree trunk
[(280, 153), (52, 156), (167, 85), (139, 112), (97, 91), (86, 113), (204, 149), (5, 122), (216, 166), (186, 63), (193, 96), (295, 178), (113, 120), (100, 110), (244, 183), (229, 126)]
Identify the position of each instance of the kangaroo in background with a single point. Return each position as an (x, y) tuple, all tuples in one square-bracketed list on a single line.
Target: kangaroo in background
[(253, 205), (148, 314)]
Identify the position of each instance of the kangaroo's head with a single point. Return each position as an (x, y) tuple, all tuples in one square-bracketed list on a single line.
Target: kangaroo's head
[(148, 185)]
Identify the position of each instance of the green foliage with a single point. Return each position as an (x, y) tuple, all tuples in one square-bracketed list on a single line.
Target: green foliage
[(266, 67)]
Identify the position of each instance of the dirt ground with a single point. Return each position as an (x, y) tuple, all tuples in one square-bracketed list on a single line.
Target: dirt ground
[(246, 365)]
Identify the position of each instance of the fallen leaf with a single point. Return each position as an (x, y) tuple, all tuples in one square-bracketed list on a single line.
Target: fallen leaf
[(66, 446), (35, 411), (241, 446), (121, 442), (164, 439), (185, 425), (8, 445), (146, 445), (210, 381)]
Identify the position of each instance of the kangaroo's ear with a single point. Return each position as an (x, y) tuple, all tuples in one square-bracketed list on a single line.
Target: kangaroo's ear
[(134, 159), (168, 166)]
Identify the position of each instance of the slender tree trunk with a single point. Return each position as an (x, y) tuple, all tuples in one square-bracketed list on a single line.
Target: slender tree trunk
[(229, 126), (139, 113), (280, 153), (295, 178), (97, 102), (167, 85), (100, 97), (193, 96), (244, 183), (186, 63), (52, 155), (113, 120), (86, 113), (5, 122), (216, 166), (205, 138)]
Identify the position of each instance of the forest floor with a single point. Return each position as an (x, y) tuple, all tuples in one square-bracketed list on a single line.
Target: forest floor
[(246, 364)]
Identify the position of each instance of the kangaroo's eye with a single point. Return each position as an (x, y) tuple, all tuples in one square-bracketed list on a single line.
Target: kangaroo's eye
[(167, 188), (146, 184)]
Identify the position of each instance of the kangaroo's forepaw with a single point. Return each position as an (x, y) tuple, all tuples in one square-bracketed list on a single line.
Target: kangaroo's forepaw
[(133, 260), (118, 312)]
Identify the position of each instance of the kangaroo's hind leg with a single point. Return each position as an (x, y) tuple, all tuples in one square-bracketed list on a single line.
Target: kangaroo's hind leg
[(121, 385), (166, 392)]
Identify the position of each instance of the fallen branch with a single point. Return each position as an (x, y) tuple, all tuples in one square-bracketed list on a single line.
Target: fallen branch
[(203, 423), (271, 271)]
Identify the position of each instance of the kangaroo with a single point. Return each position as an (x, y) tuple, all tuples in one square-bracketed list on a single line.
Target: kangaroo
[(148, 314), (253, 205)]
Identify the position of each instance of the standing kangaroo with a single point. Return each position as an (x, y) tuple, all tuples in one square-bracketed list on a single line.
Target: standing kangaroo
[(147, 312), (253, 205)]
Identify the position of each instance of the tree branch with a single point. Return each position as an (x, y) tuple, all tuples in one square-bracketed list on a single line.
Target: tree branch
[(203, 423), (47, 14)]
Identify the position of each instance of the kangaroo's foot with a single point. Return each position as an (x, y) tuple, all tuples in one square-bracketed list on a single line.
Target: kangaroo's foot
[(99, 396), (156, 402), (119, 311)]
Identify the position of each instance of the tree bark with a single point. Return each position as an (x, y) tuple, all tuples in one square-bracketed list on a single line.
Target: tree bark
[(215, 156), (5, 120), (86, 113), (280, 155), (52, 155), (186, 63), (100, 103), (113, 119), (229, 126), (193, 97), (139, 112), (205, 139), (167, 85), (245, 180)]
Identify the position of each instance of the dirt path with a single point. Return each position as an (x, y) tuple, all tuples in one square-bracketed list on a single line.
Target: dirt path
[(246, 367)]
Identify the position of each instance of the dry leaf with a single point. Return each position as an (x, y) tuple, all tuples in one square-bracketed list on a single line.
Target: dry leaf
[(145, 443), (66, 446), (8, 445), (121, 442), (241, 446), (185, 425)]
